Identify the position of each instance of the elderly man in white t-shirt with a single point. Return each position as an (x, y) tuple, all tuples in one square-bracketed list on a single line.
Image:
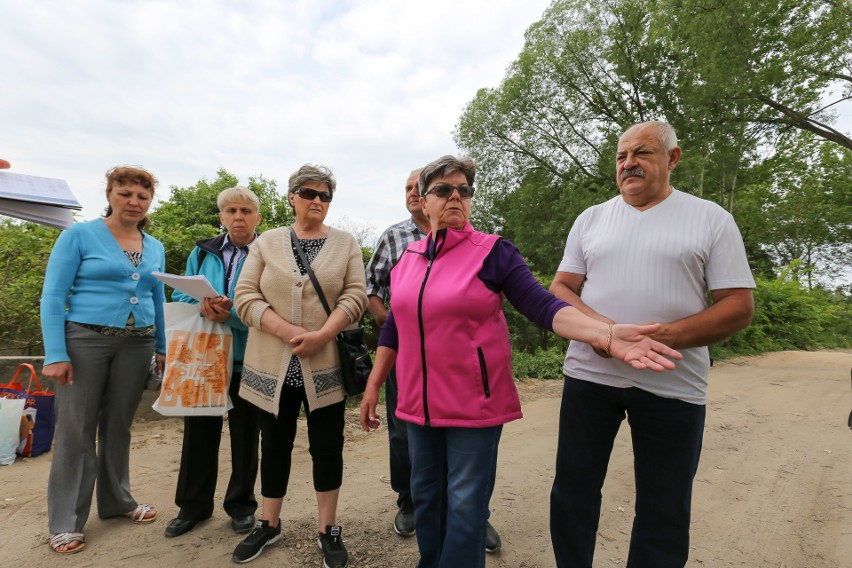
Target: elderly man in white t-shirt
[(650, 254)]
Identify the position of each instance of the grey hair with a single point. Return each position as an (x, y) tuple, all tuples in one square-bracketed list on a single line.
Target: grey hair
[(444, 166), (665, 133), (236, 194), (312, 174)]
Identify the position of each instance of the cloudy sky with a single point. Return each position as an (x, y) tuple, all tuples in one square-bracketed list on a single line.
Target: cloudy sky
[(370, 88)]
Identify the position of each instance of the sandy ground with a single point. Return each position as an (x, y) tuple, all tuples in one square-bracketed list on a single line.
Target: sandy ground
[(774, 488)]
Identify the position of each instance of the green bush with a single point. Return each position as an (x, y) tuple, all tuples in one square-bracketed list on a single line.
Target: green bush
[(540, 364), (789, 316), (355, 400), (24, 250)]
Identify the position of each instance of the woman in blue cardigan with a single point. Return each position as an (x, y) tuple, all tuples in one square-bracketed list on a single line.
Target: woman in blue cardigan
[(101, 318)]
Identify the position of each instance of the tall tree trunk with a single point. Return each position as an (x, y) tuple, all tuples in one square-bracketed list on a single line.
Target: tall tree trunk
[(731, 193)]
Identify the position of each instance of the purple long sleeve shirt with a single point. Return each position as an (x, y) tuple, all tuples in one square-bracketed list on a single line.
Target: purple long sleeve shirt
[(504, 270)]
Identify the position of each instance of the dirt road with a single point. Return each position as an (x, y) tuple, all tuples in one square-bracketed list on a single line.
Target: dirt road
[(774, 488)]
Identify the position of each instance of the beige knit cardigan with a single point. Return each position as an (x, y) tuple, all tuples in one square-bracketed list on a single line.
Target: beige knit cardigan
[(270, 278)]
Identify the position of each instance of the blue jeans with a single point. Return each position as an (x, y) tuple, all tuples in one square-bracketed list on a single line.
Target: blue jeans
[(666, 434), (400, 463), (452, 478)]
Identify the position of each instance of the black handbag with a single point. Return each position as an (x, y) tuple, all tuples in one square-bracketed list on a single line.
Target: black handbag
[(355, 362)]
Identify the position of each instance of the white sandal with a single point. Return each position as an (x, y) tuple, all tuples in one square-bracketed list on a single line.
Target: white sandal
[(64, 539), (137, 515)]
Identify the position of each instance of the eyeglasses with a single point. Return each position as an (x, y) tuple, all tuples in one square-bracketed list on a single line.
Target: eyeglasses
[(311, 194), (445, 190)]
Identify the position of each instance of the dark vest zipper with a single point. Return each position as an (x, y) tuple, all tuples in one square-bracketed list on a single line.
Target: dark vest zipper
[(483, 369), (420, 323), (423, 342)]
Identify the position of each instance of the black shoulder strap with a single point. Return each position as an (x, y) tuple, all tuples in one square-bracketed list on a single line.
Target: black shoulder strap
[(307, 266), (201, 254)]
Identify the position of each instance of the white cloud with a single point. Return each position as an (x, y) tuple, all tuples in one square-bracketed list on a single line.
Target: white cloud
[(372, 89)]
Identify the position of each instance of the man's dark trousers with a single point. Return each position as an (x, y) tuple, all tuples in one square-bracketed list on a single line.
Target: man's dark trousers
[(666, 434), (400, 462)]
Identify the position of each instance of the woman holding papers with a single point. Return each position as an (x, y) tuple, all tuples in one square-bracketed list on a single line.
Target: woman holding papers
[(220, 259), (291, 358), (101, 318)]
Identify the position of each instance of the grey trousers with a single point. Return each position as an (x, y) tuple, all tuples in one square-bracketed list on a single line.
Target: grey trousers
[(109, 376)]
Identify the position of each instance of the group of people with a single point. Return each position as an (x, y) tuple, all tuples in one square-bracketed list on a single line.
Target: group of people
[(631, 291)]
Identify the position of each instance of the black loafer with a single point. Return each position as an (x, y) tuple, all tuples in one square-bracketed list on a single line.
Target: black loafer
[(242, 525), (403, 523), (492, 539), (177, 527)]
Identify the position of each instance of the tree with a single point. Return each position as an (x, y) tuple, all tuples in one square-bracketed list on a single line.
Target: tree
[(191, 214), (25, 249), (581, 75), (365, 235), (588, 70), (778, 62), (717, 70), (809, 206)]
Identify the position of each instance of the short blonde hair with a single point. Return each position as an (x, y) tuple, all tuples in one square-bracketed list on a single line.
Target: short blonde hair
[(237, 193)]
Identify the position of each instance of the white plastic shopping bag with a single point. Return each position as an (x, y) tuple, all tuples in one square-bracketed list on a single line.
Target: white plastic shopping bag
[(11, 410), (199, 361)]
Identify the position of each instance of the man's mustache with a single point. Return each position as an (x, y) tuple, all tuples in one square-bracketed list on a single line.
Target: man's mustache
[(633, 172)]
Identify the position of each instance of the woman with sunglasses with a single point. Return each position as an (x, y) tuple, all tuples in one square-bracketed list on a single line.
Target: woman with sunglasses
[(448, 337), (291, 358)]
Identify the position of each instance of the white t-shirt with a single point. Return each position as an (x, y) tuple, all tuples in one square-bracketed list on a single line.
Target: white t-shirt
[(653, 266)]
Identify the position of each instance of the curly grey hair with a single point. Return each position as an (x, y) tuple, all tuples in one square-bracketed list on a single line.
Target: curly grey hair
[(444, 166), (312, 174)]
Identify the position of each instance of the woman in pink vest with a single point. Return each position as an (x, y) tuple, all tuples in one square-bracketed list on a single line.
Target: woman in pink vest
[(448, 337)]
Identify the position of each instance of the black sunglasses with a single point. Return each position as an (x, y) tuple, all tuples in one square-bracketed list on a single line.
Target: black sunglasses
[(445, 190), (311, 194)]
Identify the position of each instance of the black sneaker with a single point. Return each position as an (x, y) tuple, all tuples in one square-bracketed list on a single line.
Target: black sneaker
[(334, 553), (260, 537), (403, 523), (492, 539)]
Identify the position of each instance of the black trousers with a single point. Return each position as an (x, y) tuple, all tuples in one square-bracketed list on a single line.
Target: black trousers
[(325, 440), (199, 460), (667, 435)]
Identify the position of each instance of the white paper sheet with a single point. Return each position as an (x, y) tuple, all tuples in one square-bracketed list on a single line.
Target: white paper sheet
[(196, 286)]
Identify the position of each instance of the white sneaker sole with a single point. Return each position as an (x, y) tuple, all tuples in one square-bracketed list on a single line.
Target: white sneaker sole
[(319, 545), (404, 534), (272, 540)]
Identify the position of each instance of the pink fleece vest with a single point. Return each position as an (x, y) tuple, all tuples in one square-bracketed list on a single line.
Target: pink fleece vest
[(454, 365)]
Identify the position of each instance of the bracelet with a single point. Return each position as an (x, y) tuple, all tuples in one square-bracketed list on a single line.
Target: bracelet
[(608, 339)]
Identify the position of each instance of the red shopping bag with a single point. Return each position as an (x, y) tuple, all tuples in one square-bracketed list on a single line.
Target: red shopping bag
[(39, 419)]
